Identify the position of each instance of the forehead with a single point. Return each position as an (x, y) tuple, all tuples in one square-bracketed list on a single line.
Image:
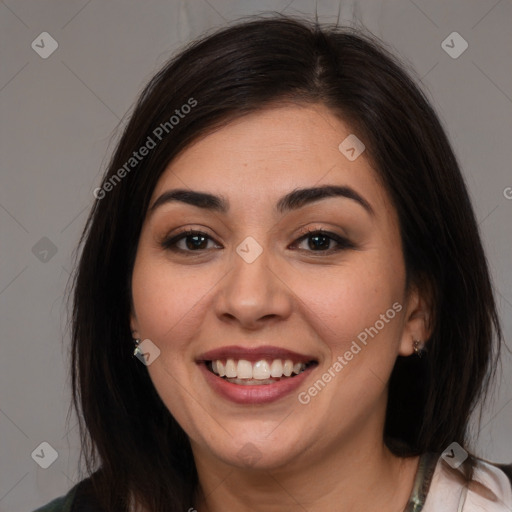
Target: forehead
[(270, 152)]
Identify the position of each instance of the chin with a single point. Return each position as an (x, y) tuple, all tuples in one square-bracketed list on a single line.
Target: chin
[(253, 452)]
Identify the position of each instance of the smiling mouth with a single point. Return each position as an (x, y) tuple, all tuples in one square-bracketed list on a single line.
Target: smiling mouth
[(262, 372)]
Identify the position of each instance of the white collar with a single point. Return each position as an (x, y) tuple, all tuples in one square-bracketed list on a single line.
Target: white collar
[(489, 491)]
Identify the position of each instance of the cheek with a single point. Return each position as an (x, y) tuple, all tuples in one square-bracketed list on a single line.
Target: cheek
[(167, 302), (170, 307), (356, 312), (345, 303)]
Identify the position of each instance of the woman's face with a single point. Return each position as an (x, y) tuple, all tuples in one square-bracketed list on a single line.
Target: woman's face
[(255, 296)]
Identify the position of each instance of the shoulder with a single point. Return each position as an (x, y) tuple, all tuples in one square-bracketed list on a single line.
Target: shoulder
[(78, 499), (489, 490)]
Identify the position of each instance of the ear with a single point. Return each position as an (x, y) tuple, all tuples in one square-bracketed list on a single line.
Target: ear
[(417, 326)]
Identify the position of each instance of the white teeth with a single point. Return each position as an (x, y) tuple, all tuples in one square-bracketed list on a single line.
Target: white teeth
[(297, 368), (244, 369), (276, 368), (221, 369), (230, 369), (262, 370)]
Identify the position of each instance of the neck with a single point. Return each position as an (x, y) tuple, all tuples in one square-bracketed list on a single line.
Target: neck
[(355, 476)]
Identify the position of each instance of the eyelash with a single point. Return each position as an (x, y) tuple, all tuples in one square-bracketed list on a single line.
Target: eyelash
[(343, 243)]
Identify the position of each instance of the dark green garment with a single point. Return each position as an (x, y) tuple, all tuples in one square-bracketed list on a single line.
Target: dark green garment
[(78, 499), (62, 504)]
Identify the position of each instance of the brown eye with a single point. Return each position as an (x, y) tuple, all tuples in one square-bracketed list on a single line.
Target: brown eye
[(194, 241), (320, 241)]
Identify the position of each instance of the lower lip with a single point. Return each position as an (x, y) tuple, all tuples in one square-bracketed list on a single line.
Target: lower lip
[(254, 394)]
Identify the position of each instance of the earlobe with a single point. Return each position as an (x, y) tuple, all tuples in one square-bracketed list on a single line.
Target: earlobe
[(134, 326), (417, 327)]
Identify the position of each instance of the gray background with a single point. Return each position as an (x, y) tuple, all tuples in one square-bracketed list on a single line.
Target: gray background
[(61, 117)]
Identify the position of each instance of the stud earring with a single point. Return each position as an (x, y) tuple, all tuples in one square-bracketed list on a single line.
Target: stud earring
[(137, 350), (418, 347)]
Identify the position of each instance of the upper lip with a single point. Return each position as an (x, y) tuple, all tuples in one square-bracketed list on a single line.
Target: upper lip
[(254, 354)]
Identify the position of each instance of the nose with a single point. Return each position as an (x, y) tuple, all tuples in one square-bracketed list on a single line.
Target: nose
[(253, 294)]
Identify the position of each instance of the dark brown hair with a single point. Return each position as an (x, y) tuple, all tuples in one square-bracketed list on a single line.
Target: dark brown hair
[(129, 438)]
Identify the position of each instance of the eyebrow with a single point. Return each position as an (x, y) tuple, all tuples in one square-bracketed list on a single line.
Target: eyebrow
[(291, 201)]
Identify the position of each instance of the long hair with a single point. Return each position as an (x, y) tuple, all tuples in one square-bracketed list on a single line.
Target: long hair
[(130, 441)]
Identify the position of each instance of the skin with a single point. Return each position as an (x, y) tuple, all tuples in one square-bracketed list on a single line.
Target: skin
[(330, 450)]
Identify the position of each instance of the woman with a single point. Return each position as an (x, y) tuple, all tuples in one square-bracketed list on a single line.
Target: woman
[(285, 243)]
